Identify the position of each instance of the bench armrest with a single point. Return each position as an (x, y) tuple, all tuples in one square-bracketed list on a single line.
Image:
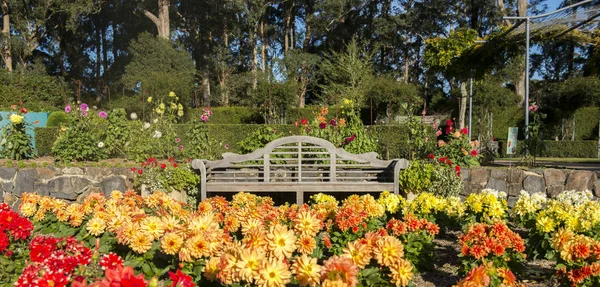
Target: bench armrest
[(199, 165), (398, 165)]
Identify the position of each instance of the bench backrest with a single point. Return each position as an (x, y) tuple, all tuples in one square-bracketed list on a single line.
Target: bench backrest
[(298, 159)]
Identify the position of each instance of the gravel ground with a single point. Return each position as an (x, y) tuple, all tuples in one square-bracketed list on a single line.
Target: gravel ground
[(537, 273)]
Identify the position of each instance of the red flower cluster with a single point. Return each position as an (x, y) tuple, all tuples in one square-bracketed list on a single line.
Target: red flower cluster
[(14, 226), (53, 261), (449, 126), (181, 279), (483, 240), (350, 217), (446, 160), (349, 140), (411, 224), (579, 275)]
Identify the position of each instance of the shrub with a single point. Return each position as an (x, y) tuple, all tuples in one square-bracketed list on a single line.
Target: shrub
[(259, 138), (55, 119), (44, 138), (80, 140), (437, 177), (16, 143)]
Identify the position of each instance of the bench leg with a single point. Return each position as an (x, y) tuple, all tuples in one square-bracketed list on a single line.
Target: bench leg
[(299, 197)]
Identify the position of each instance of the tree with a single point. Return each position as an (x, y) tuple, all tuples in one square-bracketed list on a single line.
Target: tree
[(347, 74), (158, 68)]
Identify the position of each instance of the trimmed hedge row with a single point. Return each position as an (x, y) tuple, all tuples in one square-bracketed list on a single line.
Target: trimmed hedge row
[(586, 123), (561, 149)]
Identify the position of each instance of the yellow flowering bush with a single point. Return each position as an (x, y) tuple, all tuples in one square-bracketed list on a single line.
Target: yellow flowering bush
[(572, 210), (488, 206)]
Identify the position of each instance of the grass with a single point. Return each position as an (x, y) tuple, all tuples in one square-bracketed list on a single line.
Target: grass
[(556, 159)]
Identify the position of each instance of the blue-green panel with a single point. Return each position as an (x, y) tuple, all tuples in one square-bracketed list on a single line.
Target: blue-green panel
[(35, 120)]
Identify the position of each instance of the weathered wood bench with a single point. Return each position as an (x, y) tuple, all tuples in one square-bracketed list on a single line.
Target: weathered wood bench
[(299, 164)]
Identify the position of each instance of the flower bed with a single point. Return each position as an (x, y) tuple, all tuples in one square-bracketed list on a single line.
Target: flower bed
[(128, 240)]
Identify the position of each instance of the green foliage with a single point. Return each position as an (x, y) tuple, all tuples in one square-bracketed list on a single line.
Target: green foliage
[(44, 138), (57, 118), (229, 115), (443, 52), (81, 139), (534, 145), (117, 133), (37, 90), (391, 96), (457, 147), (159, 68), (16, 144), (417, 177), (586, 128), (157, 138), (259, 138), (436, 178), (197, 139), (168, 177), (347, 74)]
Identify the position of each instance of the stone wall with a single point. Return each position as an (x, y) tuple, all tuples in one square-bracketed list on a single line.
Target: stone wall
[(512, 181), (69, 183)]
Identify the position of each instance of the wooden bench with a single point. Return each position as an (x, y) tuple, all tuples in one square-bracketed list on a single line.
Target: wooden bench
[(299, 164)]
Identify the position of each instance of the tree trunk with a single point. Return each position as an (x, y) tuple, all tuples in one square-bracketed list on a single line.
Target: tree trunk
[(206, 87), (502, 8), (307, 21), (262, 46), (463, 104), (104, 50), (98, 65), (520, 86), (223, 80), (252, 39), (6, 52), (161, 20)]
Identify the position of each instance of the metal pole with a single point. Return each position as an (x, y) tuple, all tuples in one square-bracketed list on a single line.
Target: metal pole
[(527, 22), (471, 105)]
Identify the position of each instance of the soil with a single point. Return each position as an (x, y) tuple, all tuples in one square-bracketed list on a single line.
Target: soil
[(537, 273)]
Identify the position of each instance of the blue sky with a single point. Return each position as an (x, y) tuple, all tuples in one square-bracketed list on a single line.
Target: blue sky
[(552, 4)]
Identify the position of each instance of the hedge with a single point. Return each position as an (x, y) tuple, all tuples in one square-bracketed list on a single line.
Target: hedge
[(560, 149), (44, 139)]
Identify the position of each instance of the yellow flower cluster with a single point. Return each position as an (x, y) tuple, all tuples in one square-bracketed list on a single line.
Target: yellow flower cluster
[(392, 203), (486, 206), (365, 203), (325, 205), (529, 203), (16, 119), (577, 218)]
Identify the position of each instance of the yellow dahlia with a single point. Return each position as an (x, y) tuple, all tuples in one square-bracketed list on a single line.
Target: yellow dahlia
[(249, 263), (281, 242), (256, 238), (401, 272), (62, 215), (307, 223), (141, 242), (95, 226), (198, 246), (273, 274), (358, 252), (211, 268), (152, 225), (307, 271), (171, 243), (387, 250), (306, 244), (28, 209), (334, 283)]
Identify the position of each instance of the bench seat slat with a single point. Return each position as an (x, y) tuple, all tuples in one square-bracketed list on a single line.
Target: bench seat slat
[(299, 186)]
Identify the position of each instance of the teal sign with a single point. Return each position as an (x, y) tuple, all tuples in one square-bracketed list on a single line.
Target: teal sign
[(35, 120), (511, 144)]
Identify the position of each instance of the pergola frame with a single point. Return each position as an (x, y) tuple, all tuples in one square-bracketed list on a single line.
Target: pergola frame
[(528, 21)]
